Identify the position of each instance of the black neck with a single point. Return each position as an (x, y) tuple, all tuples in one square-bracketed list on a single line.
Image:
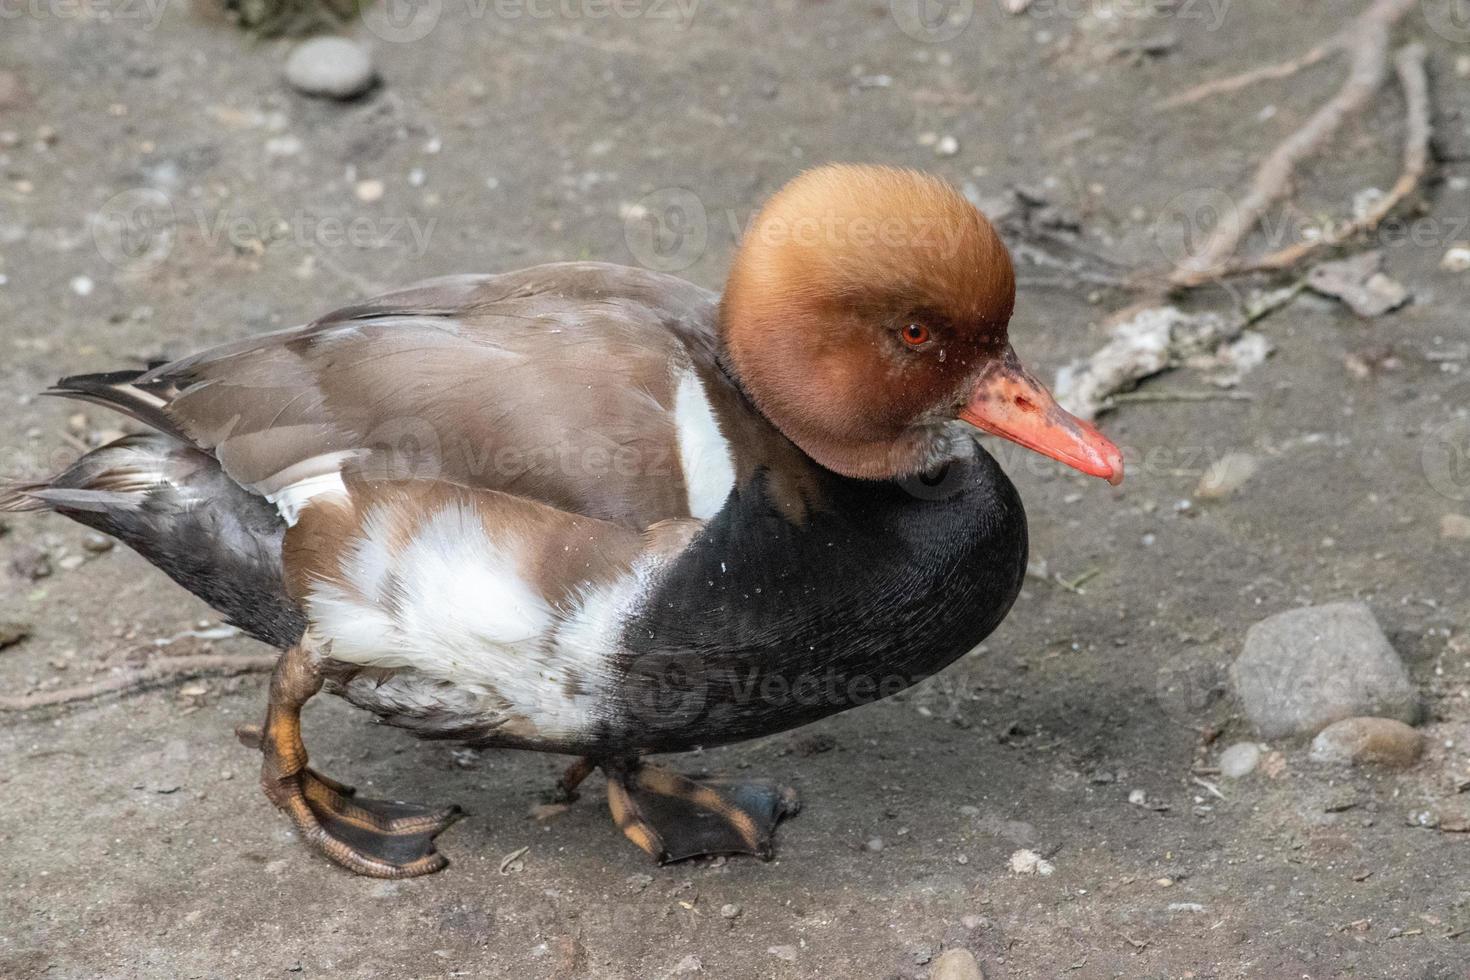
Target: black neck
[(763, 624)]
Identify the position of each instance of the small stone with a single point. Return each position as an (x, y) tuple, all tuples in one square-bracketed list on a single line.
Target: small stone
[(1303, 669), (1454, 527), (83, 285), (1226, 476), (1240, 760), (730, 911), (787, 953), (369, 191), (70, 563), (873, 845), (946, 146), (1457, 259), (689, 964), (1368, 741), (1360, 283), (1026, 862), (12, 633), (975, 922), (330, 67), (98, 544), (956, 964)]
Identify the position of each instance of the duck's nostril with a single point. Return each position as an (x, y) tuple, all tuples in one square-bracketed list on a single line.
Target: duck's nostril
[(1025, 404)]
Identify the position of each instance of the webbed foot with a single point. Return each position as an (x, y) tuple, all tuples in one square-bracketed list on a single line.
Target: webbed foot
[(378, 838), (673, 817)]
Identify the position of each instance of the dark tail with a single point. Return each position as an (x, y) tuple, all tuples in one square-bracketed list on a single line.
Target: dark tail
[(173, 505)]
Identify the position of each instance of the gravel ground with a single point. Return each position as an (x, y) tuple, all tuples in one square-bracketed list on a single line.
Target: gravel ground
[(135, 840)]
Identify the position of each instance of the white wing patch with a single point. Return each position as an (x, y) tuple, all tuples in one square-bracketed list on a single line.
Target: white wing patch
[(314, 477), (704, 455)]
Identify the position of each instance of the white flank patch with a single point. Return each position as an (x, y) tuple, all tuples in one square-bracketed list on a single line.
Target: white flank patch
[(454, 605), (709, 472)]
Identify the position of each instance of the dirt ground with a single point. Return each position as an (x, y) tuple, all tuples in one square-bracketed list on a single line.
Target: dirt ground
[(135, 840)]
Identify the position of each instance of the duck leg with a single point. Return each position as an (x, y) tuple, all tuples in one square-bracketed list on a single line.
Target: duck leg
[(378, 838), (673, 817)]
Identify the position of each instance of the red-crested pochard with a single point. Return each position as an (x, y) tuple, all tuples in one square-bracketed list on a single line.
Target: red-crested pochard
[(600, 511)]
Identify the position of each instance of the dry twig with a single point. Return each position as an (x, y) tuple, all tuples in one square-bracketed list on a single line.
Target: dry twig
[(1366, 40), (164, 668), (1415, 82)]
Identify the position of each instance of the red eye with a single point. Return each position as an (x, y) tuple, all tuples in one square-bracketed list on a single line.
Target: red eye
[(915, 334)]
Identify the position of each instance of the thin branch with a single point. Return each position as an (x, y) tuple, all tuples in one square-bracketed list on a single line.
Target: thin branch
[(1415, 82), (1285, 69), (164, 668), (1366, 39)]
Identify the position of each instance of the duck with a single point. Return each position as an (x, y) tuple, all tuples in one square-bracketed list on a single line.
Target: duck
[(599, 510)]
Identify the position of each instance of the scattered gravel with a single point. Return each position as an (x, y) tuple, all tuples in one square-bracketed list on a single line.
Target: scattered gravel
[(330, 67), (1303, 669), (1368, 741)]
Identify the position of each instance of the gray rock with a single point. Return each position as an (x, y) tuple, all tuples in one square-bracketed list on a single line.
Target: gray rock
[(1368, 741), (331, 67), (956, 964), (1304, 669), (1240, 760)]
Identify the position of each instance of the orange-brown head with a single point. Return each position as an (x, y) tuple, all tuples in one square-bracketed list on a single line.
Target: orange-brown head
[(866, 314)]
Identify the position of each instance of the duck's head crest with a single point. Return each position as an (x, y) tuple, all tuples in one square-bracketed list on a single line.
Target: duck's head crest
[(866, 313)]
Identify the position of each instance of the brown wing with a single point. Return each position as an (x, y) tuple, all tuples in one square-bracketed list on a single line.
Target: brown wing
[(556, 383)]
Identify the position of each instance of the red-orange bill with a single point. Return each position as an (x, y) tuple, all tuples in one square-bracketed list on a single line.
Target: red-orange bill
[(1009, 402)]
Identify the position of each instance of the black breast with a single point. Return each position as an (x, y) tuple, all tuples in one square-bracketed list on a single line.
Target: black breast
[(763, 624)]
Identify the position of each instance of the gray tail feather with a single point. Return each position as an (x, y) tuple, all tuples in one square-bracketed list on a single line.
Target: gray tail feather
[(173, 505)]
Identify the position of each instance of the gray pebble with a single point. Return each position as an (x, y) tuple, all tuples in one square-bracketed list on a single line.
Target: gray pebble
[(332, 67), (956, 964), (1240, 760), (97, 544), (730, 911), (1303, 669)]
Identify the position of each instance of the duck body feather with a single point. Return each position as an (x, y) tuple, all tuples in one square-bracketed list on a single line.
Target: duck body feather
[(533, 510)]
